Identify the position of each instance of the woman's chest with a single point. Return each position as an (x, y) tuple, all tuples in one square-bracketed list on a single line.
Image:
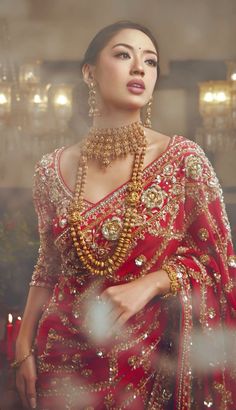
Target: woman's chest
[(159, 213)]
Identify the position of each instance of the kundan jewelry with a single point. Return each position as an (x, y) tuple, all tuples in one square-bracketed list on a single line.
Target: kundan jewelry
[(103, 153), (92, 100), (147, 120), (107, 144)]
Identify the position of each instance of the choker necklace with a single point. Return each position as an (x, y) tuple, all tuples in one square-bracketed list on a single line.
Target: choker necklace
[(107, 266), (107, 144)]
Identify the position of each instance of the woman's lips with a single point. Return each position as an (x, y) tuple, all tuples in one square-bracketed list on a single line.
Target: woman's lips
[(136, 86), (135, 89)]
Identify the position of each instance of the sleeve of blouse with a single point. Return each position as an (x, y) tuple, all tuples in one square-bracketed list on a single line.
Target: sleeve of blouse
[(46, 270), (205, 261)]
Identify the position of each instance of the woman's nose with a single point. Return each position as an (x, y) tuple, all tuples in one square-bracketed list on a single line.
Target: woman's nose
[(137, 68)]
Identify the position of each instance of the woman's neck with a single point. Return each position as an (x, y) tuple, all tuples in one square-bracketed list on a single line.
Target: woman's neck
[(116, 120)]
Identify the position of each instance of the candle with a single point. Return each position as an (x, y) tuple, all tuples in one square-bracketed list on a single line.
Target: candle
[(10, 353)]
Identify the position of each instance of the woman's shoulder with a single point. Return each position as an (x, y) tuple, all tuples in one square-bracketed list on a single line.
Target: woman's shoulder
[(178, 144), (194, 161), (48, 159), (189, 157), (46, 167)]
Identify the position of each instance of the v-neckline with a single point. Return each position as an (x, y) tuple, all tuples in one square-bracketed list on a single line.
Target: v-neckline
[(93, 204)]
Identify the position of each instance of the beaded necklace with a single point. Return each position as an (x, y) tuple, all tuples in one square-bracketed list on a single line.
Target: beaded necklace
[(133, 140)]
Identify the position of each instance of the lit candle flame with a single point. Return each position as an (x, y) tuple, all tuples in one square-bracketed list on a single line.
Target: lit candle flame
[(19, 318), (10, 318)]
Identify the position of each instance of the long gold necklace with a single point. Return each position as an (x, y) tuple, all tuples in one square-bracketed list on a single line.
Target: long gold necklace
[(86, 255)]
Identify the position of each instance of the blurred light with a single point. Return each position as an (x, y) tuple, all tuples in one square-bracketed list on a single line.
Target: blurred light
[(62, 99), (208, 97), (3, 99), (29, 73), (233, 77), (220, 96), (37, 99)]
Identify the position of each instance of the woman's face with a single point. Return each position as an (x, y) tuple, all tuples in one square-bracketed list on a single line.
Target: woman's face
[(125, 72)]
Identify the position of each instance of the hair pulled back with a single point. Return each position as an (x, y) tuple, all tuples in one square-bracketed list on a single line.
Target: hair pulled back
[(105, 35)]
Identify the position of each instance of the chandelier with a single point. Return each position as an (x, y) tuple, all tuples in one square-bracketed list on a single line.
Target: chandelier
[(217, 104), (33, 115)]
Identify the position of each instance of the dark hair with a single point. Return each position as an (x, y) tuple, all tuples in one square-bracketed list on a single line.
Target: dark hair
[(105, 35), (80, 117)]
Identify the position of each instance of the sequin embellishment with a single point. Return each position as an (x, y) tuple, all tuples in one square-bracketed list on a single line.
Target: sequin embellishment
[(140, 260)]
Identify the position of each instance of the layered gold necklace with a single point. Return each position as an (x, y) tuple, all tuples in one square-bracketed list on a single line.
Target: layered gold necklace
[(104, 146)]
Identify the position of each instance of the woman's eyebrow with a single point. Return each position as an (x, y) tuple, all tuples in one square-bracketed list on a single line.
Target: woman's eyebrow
[(131, 48)]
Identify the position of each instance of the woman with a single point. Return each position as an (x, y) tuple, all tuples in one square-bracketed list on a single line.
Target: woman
[(135, 281)]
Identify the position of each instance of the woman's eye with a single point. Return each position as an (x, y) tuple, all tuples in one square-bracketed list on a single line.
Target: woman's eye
[(152, 62), (123, 55)]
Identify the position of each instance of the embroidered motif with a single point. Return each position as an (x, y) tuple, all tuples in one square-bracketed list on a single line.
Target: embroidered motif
[(205, 259), (111, 228), (232, 261), (203, 234), (153, 197), (193, 166)]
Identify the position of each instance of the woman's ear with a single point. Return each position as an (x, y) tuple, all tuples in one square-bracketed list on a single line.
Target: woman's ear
[(87, 71)]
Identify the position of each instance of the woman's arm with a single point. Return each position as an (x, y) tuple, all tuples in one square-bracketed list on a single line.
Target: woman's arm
[(42, 283), (26, 374), (123, 301), (37, 298)]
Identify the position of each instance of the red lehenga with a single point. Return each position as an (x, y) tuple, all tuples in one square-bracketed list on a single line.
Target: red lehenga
[(177, 352)]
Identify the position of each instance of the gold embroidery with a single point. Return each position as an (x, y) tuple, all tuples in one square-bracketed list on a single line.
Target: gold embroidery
[(204, 259), (228, 287), (203, 234), (226, 396), (232, 261), (153, 197), (193, 166)]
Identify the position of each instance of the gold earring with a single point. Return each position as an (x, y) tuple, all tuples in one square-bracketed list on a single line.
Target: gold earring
[(93, 109), (147, 119)]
